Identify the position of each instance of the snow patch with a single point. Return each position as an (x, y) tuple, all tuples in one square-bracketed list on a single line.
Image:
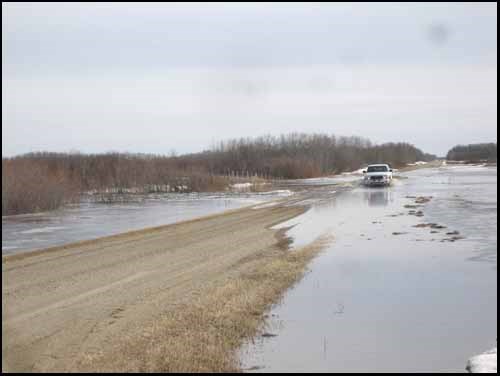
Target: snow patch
[(279, 192), (241, 186), (42, 230), (320, 181), (483, 363), (8, 247), (356, 172), (268, 205)]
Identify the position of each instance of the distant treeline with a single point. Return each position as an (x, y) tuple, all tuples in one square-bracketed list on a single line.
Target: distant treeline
[(44, 181), (473, 152), (298, 155)]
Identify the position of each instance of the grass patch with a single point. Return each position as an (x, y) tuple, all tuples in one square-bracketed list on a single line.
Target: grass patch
[(204, 334)]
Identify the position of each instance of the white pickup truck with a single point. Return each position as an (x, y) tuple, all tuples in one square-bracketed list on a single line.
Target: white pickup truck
[(377, 174)]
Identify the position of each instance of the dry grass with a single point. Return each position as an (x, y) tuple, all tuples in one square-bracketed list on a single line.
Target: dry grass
[(205, 333)]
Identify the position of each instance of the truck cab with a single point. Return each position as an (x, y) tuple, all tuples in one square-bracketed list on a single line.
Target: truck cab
[(377, 174)]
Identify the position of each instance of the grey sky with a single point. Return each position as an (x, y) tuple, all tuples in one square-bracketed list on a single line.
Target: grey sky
[(157, 77)]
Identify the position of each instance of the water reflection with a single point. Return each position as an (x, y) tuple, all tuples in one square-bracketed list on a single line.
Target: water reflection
[(378, 196)]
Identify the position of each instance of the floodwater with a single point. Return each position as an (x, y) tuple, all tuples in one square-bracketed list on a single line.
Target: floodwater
[(92, 220), (386, 296)]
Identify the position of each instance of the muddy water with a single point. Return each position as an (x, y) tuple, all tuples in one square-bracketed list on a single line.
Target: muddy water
[(90, 220), (385, 295)]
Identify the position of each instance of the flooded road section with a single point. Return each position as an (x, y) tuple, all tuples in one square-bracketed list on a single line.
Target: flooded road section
[(409, 283), (92, 220)]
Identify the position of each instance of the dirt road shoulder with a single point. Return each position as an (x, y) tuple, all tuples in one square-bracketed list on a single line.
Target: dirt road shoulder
[(180, 297)]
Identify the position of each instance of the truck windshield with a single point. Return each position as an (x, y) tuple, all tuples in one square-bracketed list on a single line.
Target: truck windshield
[(377, 169)]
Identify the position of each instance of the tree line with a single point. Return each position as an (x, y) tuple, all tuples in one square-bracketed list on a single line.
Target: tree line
[(299, 155), (45, 181), (473, 152)]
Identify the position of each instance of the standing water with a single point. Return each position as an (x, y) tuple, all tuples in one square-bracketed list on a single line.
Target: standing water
[(386, 295), (92, 220)]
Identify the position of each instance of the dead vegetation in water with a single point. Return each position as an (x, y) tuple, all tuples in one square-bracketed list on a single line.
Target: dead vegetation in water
[(417, 213), (423, 199), (452, 235), (430, 225), (419, 201), (204, 334), (452, 239)]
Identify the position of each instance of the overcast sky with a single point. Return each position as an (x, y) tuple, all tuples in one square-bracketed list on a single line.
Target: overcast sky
[(159, 77)]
